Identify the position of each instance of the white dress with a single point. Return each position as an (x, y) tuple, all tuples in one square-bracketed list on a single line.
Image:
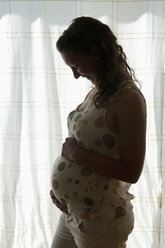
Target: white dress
[(85, 193)]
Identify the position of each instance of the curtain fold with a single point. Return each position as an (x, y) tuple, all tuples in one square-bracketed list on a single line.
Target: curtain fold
[(37, 91)]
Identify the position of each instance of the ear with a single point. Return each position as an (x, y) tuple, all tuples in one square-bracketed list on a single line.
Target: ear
[(95, 52)]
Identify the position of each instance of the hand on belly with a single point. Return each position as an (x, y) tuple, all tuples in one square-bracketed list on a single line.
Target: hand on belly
[(58, 204)]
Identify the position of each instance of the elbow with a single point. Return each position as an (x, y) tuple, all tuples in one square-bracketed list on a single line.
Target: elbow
[(133, 174), (133, 179), (130, 180)]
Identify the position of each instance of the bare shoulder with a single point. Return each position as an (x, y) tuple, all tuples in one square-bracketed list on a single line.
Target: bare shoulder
[(130, 100), (129, 103)]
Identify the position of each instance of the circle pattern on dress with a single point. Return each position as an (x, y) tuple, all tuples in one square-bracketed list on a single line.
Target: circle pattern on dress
[(55, 184), (119, 212), (61, 166), (77, 181), (108, 141), (88, 201)]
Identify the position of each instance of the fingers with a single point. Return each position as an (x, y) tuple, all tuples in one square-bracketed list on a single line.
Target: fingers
[(69, 139), (58, 204), (63, 151), (54, 199), (51, 194), (62, 207)]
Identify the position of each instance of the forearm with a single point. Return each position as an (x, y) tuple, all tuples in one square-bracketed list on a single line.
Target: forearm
[(106, 166), (128, 169)]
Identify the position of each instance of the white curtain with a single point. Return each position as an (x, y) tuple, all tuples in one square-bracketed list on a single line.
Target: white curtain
[(37, 91)]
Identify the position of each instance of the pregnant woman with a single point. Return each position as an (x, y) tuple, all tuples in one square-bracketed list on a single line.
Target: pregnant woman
[(105, 150)]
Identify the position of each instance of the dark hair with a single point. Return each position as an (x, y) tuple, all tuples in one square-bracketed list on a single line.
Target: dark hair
[(81, 36)]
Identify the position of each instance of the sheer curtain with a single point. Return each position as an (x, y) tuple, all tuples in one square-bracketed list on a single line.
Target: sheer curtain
[(37, 91)]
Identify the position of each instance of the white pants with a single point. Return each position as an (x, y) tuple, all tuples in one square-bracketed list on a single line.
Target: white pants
[(95, 233)]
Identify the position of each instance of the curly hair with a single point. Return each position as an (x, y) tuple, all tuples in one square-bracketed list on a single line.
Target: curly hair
[(81, 36)]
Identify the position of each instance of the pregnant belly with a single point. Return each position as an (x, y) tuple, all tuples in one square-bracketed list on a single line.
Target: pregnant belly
[(77, 186), (65, 179)]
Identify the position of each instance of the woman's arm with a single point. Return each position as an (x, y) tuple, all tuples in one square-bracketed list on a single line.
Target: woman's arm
[(131, 116)]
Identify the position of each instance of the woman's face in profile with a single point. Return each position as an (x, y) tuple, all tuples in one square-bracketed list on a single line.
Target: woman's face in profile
[(83, 65)]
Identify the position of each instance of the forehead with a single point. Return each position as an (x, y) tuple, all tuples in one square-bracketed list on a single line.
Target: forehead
[(72, 58)]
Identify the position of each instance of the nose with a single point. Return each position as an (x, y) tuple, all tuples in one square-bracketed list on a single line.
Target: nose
[(75, 73)]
